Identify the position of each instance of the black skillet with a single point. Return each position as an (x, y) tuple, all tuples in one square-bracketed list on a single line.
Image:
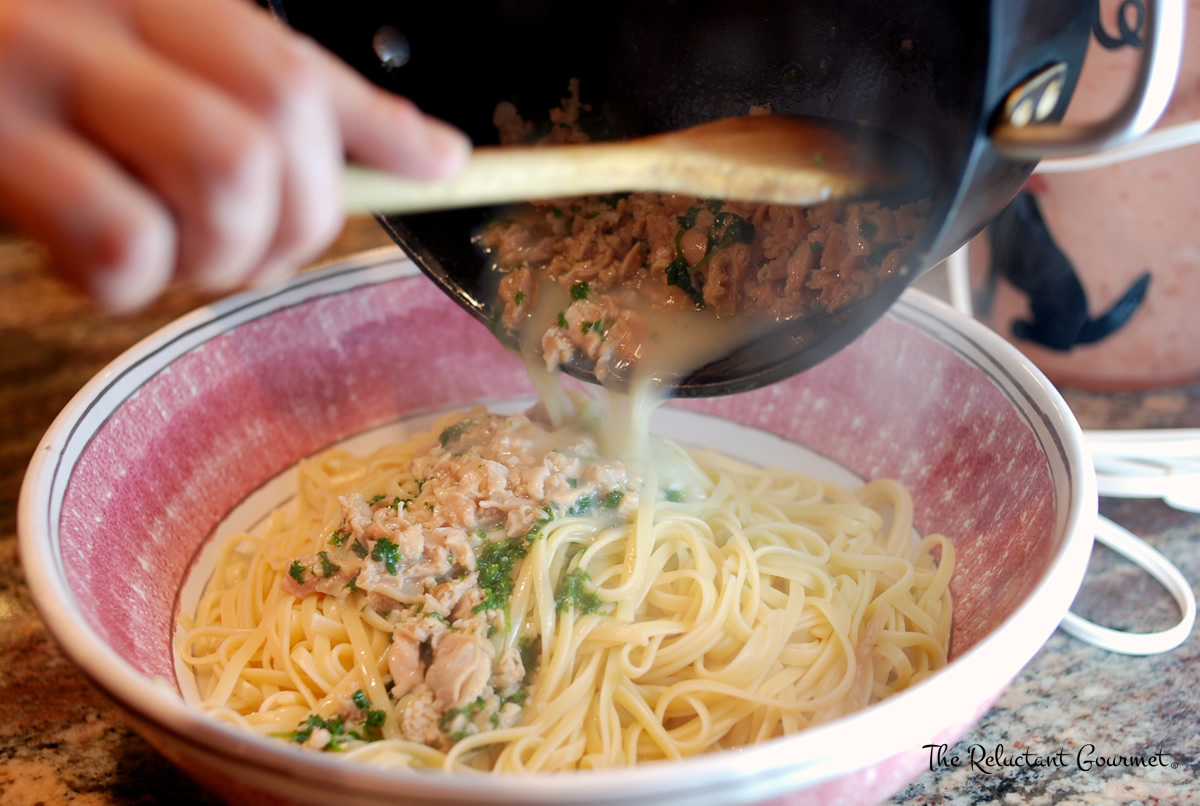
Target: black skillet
[(937, 73)]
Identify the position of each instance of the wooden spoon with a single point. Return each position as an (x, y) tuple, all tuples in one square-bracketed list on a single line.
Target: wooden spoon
[(770, 158)]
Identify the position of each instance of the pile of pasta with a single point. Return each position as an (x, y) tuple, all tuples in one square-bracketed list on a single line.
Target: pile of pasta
[(762, 603)]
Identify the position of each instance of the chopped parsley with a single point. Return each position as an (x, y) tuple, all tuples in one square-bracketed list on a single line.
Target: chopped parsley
[(519, 297), (373, 724), (338, 734), (580, 291), (581, 505), (351, 586), (688, 219), (727, 229), (466, 712), (596, 327), (548, 514), (374, 721), (574, 592), (680, 275), (450, 434), (531, 655), (296, 572), (388, 553), (494, 568), (304, 730), (562, 320), (360, 551), (328, 568), (339, 537), (377, 499), (730, 228), (518, 697), (676, 496)]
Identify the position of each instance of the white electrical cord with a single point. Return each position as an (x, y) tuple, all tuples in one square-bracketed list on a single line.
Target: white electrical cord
[(1162, 463), (1156, 565)]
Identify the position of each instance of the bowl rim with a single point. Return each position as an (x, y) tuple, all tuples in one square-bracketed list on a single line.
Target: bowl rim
[(806, 758)]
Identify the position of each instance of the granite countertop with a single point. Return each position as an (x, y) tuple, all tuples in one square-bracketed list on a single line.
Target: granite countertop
[(1072, 708)]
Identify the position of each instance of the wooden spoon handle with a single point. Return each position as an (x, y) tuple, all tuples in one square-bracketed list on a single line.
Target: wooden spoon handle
[(501, 175), (770, 159), (496, 175)]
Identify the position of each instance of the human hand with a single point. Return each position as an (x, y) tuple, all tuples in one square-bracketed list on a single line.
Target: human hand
[(144, 141)]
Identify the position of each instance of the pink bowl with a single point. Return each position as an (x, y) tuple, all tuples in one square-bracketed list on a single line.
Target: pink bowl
[(140, 468)]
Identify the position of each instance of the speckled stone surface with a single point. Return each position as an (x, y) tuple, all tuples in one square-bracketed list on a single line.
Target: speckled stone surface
[(61, 742)]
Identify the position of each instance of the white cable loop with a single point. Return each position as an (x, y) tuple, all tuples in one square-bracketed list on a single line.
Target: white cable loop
[(1142, 554)]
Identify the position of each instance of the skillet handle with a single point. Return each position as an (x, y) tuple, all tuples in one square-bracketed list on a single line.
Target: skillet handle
[(1155, 81)]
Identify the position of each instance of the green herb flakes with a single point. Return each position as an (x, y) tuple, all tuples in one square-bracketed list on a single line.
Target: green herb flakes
[(328, 568), (494, 568), (575, 592), (450, 434), (388, 553), (679, 274), (612, 500), (581, 505)]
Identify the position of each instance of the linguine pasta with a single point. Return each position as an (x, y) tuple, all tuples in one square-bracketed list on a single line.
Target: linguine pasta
[(642, 612)]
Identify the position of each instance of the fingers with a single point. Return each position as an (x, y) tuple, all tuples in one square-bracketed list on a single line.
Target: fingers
[(198, 126), (105, 233), (388, 132), (274, 75), (314, 105), (122, 113), (215, 165)]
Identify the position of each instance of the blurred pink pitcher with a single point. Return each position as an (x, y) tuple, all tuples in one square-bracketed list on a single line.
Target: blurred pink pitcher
[(1095, 273)]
